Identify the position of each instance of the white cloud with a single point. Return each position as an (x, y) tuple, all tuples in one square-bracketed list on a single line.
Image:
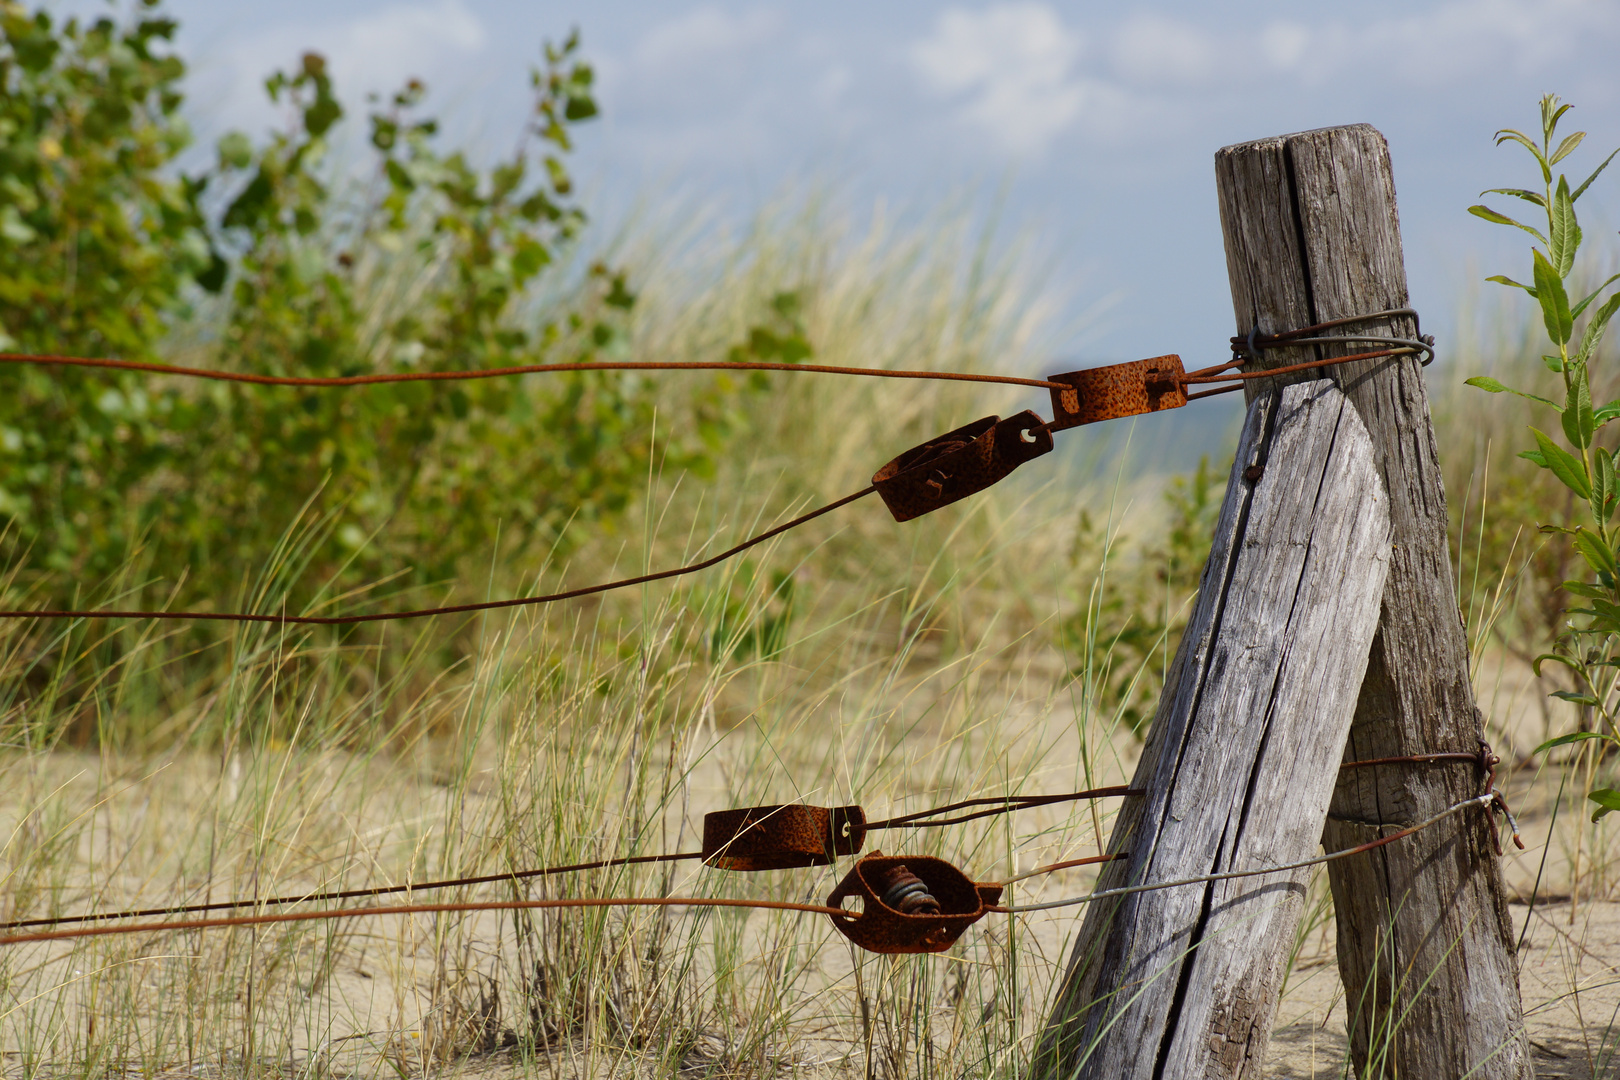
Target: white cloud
[(1283, 44), (701, 35), (1446, 42), (1013, 66), (1159, 50)]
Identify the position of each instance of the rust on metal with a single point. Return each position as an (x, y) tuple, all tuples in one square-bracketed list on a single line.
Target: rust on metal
[(960, 462), (1108, 393), (781, 837), (1486, 760), (909, 903)]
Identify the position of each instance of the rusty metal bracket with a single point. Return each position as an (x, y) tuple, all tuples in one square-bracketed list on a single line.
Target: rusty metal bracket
[(960, 462), (909, 903), (1108, 393), (781, 837)]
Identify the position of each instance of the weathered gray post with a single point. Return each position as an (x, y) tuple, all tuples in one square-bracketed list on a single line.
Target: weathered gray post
[(1424, 940), (1294, 632), (1240, 762)]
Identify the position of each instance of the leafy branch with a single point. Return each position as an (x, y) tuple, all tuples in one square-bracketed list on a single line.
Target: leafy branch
[(1588, 647)]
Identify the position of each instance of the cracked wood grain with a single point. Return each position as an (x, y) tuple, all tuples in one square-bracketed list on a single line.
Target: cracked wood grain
[(1240, 761)]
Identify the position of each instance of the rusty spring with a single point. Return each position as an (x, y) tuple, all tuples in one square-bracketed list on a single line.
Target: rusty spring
[(906, 893)]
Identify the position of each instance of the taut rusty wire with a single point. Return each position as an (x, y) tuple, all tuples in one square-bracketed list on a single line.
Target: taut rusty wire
[(755, 838), (503, 372)]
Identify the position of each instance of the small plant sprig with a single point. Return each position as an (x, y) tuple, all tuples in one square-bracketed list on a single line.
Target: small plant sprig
[(1590, 645)]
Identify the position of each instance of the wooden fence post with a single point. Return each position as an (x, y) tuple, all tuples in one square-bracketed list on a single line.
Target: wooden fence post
[(1240, 761), (1424, 940)]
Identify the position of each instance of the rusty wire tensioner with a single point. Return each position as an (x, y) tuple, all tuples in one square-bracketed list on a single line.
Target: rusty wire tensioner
[(960, 463), (971, 458), (781, 837), (909, 903)]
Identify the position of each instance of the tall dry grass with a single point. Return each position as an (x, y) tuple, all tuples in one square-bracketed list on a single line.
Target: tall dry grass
[(977, 651), (854, 660)]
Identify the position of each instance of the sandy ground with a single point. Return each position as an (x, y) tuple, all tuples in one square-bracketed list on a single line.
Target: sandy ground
[(1570, 955), (1569, 978)]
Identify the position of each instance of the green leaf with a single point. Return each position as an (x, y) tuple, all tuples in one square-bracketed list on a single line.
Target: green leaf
[(1535, 457), (1582, 588), (1535, 665), (1564, 465), (1598, 555), (1554, 301), (1608, 412), (235, 150), (1604, 488), (1503, 280), (1518, 193), (1574, 697), (1564, 148), (1588, 181), (1554, 364), (1577, 412), (1564, 235), (399, 175), (1580, 307), (1565, 740), (1608, 801), (1486, 383), (1594, 329), (1502, 219), (1608, 614), (1509, 135)]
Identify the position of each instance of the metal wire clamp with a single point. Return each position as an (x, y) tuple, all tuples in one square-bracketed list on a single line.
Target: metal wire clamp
[(781, 837), (959, 463), (895, 915)]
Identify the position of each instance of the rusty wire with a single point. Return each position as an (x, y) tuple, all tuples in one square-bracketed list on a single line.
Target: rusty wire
[(1066, 864), (348, 894), (417, 909), (523, 369), (1254, 341), (1042, 431), (1491, 799), (454, 609), (1485, 758), (1486, 800), (1013, 803)]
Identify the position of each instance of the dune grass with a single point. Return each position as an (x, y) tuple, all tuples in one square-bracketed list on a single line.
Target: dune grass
[(981, 650), (852, 661)]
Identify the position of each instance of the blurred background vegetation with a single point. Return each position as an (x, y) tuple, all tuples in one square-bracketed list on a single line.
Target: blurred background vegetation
[(340, 244)]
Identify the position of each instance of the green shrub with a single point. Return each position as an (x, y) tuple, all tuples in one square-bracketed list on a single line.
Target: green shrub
[(97, 243), (421, 261)]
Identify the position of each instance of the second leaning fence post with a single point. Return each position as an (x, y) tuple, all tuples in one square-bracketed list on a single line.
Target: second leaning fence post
[(1424, 941)]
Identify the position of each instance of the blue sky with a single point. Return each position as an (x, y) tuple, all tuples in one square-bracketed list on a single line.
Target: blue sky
[(1091, 125)]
